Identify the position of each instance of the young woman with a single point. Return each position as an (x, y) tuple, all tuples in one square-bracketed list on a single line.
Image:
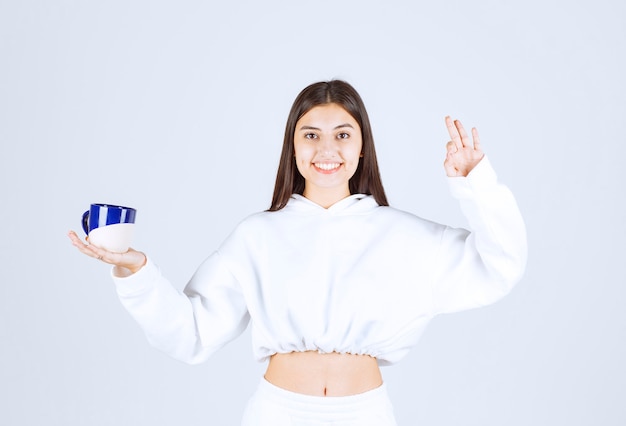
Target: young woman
[(335, 282)]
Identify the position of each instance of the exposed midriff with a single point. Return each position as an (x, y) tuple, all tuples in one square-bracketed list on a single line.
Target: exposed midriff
[(324, 374)]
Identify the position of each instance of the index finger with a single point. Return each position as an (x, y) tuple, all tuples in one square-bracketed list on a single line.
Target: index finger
[(454, 132)]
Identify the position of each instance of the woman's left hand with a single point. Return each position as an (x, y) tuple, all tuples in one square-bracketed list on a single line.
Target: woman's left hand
[(462, 154)]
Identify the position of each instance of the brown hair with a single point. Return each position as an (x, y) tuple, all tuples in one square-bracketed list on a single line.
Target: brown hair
[(366, 179)]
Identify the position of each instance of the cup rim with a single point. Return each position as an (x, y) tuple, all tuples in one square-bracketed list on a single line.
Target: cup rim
[(112, 206)]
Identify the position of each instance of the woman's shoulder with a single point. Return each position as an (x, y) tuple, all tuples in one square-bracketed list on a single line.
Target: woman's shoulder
[(398, 218), (251, 222)]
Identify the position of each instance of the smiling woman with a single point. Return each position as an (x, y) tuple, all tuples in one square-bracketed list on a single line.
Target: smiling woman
[(334, 281)]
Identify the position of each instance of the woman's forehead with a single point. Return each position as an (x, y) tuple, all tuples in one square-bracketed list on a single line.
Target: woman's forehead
[(329, 116)]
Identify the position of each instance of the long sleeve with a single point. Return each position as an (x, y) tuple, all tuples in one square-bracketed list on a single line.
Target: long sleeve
[(477, 268), (189, 325)]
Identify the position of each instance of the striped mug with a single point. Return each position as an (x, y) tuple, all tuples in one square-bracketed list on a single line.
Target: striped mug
[(109, 226)]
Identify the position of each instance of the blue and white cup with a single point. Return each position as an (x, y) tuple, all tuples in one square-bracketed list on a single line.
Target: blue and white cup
[(109, 226)]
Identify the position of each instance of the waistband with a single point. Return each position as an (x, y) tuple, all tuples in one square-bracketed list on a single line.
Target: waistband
[(292, 399)]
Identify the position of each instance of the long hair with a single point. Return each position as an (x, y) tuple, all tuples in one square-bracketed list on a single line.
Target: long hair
[(366, 179)]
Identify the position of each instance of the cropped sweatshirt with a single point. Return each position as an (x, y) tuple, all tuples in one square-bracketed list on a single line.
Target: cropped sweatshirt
[(355, 278)]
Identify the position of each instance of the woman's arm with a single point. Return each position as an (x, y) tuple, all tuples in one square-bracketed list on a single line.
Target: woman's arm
[(189, 325), (477, 267)]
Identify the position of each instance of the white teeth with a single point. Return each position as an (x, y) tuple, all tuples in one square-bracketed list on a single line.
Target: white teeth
[(327, 166)]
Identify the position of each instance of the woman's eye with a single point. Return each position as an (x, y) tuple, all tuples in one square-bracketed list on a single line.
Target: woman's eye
[(310, 136), (343, 135)]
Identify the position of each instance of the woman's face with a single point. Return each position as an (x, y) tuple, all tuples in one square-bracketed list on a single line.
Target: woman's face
[(327, 144)]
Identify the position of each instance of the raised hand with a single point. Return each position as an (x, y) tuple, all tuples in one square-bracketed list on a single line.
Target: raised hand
[(462, 153), (132, 260)]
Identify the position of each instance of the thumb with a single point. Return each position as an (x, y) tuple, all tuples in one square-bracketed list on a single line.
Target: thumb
[(449, 167)]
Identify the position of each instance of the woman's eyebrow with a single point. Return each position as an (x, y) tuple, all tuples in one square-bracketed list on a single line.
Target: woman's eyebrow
[(344, 125), (336, 127)]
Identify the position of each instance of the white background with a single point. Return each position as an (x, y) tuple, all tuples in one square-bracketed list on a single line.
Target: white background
[(178, 109)]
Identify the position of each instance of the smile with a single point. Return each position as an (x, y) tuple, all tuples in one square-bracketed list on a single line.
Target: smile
[(327, 166)]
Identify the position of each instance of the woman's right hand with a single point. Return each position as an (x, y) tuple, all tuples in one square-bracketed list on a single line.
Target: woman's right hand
[(132, 260)]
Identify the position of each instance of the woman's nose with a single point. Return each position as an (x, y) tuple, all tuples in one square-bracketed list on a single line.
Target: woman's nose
[(327, 144)]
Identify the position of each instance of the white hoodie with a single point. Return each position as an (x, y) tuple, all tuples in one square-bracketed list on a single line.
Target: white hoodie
[(354, 278)]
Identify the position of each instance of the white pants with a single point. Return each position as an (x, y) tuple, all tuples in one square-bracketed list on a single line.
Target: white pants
[(274, 406)]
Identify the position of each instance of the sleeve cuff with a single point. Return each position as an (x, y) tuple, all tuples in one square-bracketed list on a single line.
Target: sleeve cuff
[(142, 280)]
